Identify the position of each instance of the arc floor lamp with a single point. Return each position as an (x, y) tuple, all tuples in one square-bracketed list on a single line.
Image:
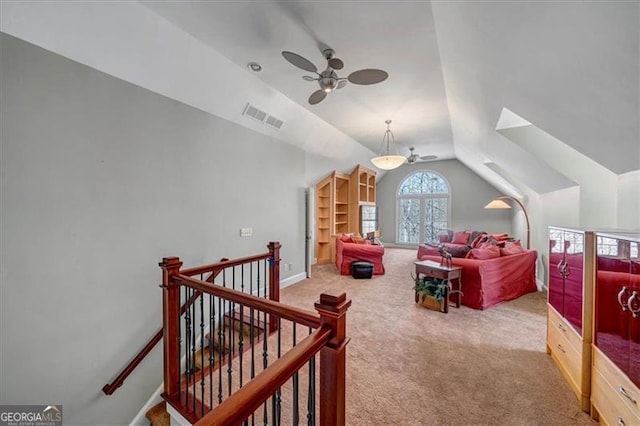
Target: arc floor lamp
[(500, 203)]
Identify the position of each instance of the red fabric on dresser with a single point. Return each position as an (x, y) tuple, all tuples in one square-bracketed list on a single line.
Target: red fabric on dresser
[(486, 283)]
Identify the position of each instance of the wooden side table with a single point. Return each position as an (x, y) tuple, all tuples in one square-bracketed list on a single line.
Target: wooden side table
[(453, 275)]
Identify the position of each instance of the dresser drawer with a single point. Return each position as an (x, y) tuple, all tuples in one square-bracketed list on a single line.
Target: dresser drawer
[(568, 358), (620, 384), (555, 321), (609, 403)]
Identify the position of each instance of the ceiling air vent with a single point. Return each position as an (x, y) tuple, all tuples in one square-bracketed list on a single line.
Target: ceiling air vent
[(261, 116), (254, 113), (272, 121)]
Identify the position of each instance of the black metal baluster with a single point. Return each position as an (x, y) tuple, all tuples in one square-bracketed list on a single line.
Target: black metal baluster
[(193, 352), (311, 401), (253, 349), (232, 334), (229, 315), (266, 263), (258, 277), (187, 327), (220, 347), (296, 403), (265, 356), (212, 322), (266, 287), (180, 346), (202, 351), (241, 341), (242, 279), (277, 397)]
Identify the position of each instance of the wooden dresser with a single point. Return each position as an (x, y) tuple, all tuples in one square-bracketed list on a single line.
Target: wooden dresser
[(616, 345), (570, 298)]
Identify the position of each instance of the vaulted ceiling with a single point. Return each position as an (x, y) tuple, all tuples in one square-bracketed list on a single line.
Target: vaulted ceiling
[(569, 69)]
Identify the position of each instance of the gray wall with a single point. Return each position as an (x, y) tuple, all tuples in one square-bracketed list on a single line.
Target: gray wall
[(469, 194), (100, 180)]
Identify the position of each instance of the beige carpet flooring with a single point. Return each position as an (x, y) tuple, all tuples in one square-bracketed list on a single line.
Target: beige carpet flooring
[(407, 365)]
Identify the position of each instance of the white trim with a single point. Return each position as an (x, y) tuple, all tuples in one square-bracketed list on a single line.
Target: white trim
[(293, 279), (141, 419), (176, 417)]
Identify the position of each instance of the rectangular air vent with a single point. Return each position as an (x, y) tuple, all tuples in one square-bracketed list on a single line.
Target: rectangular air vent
[(272, 121), (254, 113), (261, 116)]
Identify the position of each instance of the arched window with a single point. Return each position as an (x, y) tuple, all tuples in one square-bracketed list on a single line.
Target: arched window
[(423, 208)]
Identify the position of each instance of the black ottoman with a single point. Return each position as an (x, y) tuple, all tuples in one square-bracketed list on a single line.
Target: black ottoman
[(361, 269)]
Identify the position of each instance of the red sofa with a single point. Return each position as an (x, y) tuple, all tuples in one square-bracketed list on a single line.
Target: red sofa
[(486, 283), (349, 251)]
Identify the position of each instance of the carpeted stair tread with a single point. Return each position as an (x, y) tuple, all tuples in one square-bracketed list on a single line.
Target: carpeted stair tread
[(158, 415)]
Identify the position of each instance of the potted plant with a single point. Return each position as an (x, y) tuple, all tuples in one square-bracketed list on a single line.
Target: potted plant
[(431, 292)]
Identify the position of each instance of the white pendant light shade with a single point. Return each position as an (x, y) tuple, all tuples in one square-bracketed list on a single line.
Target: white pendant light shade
[(388, 158), (388, 162)]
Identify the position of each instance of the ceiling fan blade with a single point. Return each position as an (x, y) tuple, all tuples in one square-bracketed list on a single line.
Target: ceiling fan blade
[(299, 61), (368, 76), (428, 157), (341, 83), (336, 63), (309, 78), (317, 97)]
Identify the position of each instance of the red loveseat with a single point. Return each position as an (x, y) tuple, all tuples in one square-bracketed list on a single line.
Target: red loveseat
[(486, 283), (350, 249)]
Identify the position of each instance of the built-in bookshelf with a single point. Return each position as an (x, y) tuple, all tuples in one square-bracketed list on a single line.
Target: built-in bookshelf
[(338, 200), (362, 183), (332, 213)]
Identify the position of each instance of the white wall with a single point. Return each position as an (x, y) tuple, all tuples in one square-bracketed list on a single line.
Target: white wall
[(100, 180), (469, 194), (629, 200)]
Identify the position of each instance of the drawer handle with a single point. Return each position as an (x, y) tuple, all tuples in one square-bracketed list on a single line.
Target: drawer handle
[(563, 351), (622, 303), (624, 393), (620, 421), (561, 327), (630, 303)]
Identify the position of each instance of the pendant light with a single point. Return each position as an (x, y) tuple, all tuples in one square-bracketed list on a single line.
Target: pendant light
[(388, 158)]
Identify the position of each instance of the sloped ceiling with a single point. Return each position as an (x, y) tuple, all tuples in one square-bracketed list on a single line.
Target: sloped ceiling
[(570, 68)]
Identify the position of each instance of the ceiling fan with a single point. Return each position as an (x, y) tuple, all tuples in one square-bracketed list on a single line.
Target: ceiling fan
[(413, 157), (328, 79)]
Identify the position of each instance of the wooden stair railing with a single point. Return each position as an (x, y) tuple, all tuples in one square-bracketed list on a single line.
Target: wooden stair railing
[(110, 388), (214, 269), (329, 339)]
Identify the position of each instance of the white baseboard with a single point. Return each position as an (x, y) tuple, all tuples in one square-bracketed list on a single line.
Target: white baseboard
[(293, 279)]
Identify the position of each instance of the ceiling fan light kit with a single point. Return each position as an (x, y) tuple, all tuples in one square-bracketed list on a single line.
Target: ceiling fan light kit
[(328, 79), (389, 158)]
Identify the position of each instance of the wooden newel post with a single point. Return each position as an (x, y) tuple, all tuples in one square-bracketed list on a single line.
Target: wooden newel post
[(333, 313), (171, 324), (274, 280)]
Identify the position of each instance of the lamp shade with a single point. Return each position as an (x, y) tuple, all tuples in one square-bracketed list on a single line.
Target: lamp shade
[(388, 162), (500, 203), (497, 204)]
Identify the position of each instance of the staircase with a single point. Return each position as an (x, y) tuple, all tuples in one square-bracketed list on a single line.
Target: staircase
[(158, 415)]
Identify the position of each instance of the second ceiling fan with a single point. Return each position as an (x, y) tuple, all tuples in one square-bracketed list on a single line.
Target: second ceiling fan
[(328, 79)]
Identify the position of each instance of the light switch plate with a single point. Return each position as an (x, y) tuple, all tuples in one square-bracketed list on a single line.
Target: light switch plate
[(246, 232)]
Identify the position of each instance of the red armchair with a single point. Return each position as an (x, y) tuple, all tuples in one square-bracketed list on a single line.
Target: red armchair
[(350, 249)]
